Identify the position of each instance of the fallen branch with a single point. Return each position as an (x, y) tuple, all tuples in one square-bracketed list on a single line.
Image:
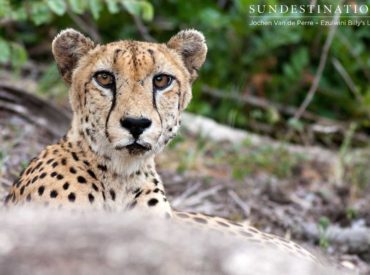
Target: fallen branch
[(208, 128), (34, 109), (258, 102), (317, 126)]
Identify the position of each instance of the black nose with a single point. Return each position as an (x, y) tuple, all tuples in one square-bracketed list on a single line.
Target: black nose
[(135, 126)]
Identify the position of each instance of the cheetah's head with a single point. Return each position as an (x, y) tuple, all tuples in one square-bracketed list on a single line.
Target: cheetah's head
[(127, 96)]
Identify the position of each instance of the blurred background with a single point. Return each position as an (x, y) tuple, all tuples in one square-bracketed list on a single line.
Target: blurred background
[(301, 93), (255, 77)]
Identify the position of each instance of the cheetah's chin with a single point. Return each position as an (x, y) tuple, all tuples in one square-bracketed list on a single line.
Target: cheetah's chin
[(135, 148)]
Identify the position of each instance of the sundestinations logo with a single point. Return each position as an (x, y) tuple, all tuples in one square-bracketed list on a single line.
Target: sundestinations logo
[(309, 15), (309, 9)]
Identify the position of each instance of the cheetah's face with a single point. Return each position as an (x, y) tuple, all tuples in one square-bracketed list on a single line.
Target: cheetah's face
[(127, 96)]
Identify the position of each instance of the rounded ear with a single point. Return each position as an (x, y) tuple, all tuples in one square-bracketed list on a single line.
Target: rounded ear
[(68, 47), (191, 45)]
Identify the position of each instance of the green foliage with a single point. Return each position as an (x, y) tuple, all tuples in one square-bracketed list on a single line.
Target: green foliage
[(59, 7), (96, 7), (142, 8), (5, 51), (12, 52)]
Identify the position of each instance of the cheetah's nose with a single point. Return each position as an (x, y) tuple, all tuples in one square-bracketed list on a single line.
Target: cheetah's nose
[(136, 126)]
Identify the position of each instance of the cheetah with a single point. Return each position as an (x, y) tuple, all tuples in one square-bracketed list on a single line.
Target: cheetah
[(127, 98)]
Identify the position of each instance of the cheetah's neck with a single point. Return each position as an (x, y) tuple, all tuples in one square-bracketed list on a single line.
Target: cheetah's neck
[(127, 182), (112, 165)]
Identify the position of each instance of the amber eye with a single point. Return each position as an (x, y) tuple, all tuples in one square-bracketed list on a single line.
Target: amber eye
[(104, 79), (162, 81)]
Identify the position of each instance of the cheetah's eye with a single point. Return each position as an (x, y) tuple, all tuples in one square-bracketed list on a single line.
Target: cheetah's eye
[(104, 79), (162, 81)]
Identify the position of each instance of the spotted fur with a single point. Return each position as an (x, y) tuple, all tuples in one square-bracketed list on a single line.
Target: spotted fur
[(99, 164)]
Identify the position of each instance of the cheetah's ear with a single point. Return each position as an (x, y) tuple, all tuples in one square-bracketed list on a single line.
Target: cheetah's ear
[(68, 47), (191, 45)]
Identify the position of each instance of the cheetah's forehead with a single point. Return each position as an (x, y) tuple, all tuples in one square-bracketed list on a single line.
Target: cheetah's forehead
[(135, 58)]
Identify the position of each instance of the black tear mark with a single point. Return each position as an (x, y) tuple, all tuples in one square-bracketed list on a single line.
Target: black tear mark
[(155, 99), (155, 107), (110, 111), (178, 93)]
